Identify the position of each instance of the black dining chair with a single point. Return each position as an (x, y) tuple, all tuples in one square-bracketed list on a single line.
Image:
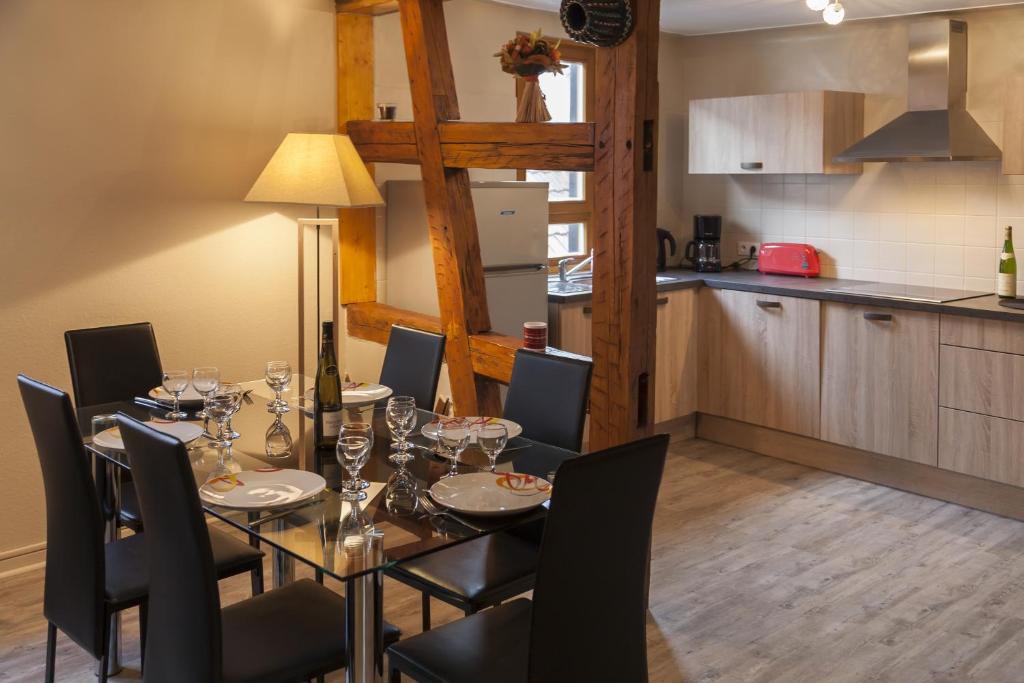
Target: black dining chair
[(87, 580), (412, 364), (111, 364), (292, 633), (547, 396), (587, 619)]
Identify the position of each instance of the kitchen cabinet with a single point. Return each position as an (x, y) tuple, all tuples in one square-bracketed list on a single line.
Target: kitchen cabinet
[(991, 335), (1013, 128), (981, 446), (880, 380), (760, 359), (983, 382), (675, 392), (780, 133)]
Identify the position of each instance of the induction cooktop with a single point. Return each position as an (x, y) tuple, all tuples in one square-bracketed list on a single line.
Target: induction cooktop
[(883, 290)]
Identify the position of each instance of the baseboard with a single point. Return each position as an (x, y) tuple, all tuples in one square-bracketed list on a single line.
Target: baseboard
[(23, 559), (678, 429), (981, 494)]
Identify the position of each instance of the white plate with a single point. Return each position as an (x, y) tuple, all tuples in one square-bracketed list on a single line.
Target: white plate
[(491, 495), (352, 394), (262, 489), (190, 395), (185, 431), (429, 430)]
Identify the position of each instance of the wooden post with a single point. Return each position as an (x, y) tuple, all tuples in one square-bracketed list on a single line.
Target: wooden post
[(461, 291), (622, 393), (357, 235)]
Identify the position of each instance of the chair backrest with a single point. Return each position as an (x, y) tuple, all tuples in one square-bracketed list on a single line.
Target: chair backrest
[(113, 363), (74, 585), (590, 596), (183, 640), (547, 396), (412, 364)]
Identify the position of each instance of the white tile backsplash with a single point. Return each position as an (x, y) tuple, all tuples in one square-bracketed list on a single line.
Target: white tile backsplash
[(920, 223)]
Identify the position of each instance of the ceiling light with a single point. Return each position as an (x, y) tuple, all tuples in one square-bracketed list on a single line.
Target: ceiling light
[(817, 5), (834, 13)]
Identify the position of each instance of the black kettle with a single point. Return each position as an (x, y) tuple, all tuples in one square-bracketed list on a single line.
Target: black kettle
[(665, 236)]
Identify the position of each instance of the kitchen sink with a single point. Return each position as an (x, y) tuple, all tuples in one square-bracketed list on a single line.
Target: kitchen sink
[(576, 285)]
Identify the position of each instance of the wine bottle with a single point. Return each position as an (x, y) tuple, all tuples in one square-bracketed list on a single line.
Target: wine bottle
[(327, 392), (1007, 286)]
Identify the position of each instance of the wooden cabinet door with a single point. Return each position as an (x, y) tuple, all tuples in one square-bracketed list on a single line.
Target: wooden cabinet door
[(789, 129), (722, 135), (880, 380), (572, 326), (675, 388), (760, 359)]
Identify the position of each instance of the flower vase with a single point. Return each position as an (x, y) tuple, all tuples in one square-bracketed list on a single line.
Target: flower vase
[(532, 108)]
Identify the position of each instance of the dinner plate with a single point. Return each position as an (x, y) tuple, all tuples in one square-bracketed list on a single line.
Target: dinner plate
[(261, 489), (352, 394), (190, 398), (429, 430), (487, 494), (186, 431)]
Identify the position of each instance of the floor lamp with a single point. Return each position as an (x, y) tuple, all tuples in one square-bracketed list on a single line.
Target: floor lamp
[(317, 169)]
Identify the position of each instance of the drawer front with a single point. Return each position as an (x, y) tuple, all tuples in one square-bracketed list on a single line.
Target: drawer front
[(981, 446), (991, 335), (985, 382)]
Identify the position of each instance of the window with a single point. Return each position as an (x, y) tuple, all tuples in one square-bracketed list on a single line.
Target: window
[(570, 99)]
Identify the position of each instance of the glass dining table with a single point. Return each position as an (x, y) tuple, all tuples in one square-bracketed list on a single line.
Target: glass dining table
[(352, 542)]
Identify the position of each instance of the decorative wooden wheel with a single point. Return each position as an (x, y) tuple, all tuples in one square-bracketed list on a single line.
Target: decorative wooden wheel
[(604, 23)]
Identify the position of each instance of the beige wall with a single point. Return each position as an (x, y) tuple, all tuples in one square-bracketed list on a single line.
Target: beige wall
[(922, 223), (476, 29), (130, 133)]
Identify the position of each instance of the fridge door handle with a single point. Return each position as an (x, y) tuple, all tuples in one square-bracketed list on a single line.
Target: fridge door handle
[(516, 267)]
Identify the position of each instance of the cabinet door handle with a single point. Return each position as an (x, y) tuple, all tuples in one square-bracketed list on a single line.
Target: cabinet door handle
[(761, 303), (879, 317), (752, 165), (662, 300), (587, 310)]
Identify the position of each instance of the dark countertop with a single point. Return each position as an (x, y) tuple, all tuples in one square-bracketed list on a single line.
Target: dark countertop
[(814, 288)]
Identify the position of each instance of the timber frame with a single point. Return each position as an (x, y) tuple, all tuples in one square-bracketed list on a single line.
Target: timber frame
[(619, 147)]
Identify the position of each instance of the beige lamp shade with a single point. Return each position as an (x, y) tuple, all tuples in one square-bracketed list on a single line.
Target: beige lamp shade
[(317, 169)]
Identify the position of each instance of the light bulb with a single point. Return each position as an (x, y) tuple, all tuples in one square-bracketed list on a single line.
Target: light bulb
[(817, 5), (834, 14)]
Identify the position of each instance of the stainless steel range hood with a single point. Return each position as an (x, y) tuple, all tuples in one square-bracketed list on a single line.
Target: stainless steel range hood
[(937, 127)]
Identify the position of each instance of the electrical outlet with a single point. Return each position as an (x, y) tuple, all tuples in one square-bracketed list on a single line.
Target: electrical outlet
[(748, 249)]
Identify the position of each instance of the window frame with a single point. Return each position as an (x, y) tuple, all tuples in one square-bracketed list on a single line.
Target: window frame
[(574, 211)]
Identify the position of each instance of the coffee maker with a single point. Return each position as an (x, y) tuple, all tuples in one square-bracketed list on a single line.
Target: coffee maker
[(705, 251)]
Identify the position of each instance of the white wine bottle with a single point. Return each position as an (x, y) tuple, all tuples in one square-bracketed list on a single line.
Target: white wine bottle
[(1007, 286), (327, 393)]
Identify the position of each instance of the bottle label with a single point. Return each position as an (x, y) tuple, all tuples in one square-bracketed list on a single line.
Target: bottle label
[(1007, 285), (331, 423)]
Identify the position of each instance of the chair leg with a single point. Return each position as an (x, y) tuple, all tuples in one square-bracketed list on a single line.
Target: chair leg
[(426, 611), (318, 575), (51, 651), (395, 676), (103, 668), (143, 621), (257, 579)]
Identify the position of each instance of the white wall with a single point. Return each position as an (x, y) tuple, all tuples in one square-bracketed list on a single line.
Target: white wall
[(130, 132), (920, 223)]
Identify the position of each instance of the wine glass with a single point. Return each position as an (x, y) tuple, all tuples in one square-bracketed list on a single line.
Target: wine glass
[(175, 382), (452, 439), (221, 404), (278, 375), (400, 416), (204, 381), (278, 442), (355, 441), (492, 439)]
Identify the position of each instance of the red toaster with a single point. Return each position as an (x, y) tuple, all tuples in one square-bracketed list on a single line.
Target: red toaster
[(788, 258)]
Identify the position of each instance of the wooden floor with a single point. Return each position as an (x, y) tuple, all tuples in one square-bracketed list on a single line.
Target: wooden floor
[(762, 571)]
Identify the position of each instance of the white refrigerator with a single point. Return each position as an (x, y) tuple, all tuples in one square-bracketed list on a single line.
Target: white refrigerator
[(512, 221)]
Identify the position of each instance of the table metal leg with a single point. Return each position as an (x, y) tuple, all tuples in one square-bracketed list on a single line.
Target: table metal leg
[(364, 618), (111, 532), (283, 563)]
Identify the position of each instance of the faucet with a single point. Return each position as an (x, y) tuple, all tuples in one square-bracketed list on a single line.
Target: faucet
[(563, 274)]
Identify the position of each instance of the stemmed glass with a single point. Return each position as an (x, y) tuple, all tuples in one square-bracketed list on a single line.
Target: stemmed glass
[(279, 376), (221, 404), (355, 441), (400, 416), (278, 443), (205, 381), (175, 382), (452, 439), (492, 439)]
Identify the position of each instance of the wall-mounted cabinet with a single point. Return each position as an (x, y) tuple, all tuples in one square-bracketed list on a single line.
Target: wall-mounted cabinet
[(1013, 128), (782, 133)]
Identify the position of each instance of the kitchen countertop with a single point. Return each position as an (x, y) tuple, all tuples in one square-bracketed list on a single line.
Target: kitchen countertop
[(813, 288)]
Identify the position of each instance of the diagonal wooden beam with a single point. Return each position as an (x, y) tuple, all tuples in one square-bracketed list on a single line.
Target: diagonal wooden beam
[(622, 393), (458, 268)]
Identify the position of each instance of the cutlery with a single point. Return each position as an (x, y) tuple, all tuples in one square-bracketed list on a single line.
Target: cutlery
[(149, 403), (435, 510), (246, 396)]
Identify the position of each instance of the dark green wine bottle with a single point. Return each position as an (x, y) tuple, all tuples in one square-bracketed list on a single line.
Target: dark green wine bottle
[(1007, 288), (327, 392)]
